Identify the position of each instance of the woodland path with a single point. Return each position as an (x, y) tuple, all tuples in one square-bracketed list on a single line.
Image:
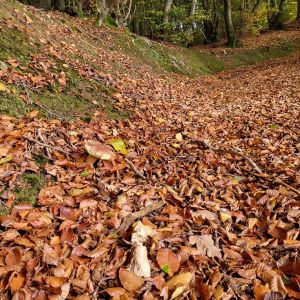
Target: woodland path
[(227, 229)]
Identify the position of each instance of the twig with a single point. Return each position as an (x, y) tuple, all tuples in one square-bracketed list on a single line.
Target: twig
[(134, 169), (252, 163), (46, 145), (236, 152), (40, 135), (32, 102), (278, 181), (128, 221)]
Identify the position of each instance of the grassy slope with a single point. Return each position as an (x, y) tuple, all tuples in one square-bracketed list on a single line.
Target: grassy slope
[(81, 96)]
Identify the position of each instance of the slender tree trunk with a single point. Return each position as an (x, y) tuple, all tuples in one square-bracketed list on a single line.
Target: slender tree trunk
[(256, 6), (276, 18), (45, 4), (102, 12), (298, 11), (192, 13), (166, 12), (229, 25), (61, 5)]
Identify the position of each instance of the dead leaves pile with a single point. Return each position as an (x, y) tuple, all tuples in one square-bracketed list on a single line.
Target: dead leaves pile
[(225, 232)]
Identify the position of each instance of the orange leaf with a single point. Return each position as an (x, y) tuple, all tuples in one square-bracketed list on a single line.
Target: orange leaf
[(168, 261), (130, 281), (16, 283)]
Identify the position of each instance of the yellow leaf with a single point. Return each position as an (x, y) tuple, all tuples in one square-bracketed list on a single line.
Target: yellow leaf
[(176, 146), (3, 88), (178, 291), (182, 279), (179, 137), (225, 216), (119, 145), (5, 160), (218, 293)]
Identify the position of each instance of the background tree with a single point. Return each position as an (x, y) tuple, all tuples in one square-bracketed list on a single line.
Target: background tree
[(231, 39), (186, 22)]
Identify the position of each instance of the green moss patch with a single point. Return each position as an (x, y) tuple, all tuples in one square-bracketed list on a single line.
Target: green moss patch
[(28, 188)]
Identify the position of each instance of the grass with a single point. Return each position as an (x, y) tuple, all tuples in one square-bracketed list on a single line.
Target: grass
[(79, 98), (191, 62), (254, 56)]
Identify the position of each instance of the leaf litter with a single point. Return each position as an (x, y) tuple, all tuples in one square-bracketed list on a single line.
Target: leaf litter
[(201, 202)]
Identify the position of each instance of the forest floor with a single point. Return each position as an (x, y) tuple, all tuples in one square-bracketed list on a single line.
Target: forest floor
[(208, 165)]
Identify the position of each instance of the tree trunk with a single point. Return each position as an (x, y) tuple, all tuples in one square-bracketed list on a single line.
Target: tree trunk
[(192, 13), (231, 42), (276, 21), (166, 12), (256, 6), (102, 12), (61, 5), (45, 4), (298, 11)]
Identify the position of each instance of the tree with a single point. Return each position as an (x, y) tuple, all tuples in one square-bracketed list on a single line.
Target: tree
[(103, 11), (45, 4), (231, 40), (166, 10), (298, 10), (276, 20), (192, 13)]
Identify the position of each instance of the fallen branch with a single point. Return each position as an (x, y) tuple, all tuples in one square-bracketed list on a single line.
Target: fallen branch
[(128, 221), (40, 135), (251, 162), (235, 152), (278, 181), (46, 145), (134, 169)]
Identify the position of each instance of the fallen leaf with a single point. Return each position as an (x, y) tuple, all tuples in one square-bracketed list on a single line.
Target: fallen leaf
[(178, 291), (168, 261), (182, 279), (50, 257), (205, 245), (130, 281), (119, 145)]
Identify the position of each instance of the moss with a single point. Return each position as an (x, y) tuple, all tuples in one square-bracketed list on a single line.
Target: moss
[(13, 44), (41, 159), (192, 63), (13, 105), (28, 188), (253, 56)]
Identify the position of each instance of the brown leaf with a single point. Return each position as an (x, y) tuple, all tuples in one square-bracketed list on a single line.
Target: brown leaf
[(273, 296), (55, 281), (113, 292), (50, 257), (215, 278), (274, 281), (260, 291), (168, 261), (16, 283), (205, 245), (182, 279), (130, 281)]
